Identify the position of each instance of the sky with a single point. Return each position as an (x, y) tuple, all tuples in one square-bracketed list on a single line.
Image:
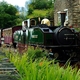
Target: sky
[(20, 3)]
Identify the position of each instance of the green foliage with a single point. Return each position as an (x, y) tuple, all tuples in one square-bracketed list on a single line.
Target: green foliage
[(30, 10), (42, 69), (77, 29), (38, 13), (7, 15), (42, 4), (18, 21), (37, 8), (36, 53), (50, 13)]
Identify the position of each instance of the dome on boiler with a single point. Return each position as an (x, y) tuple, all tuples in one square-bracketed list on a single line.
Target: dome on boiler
[(45, 21)]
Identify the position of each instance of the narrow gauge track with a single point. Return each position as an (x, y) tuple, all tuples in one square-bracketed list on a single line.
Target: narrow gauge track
[(7, 69)]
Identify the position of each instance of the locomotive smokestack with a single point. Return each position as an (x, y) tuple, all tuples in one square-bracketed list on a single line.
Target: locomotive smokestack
[(63, 14)]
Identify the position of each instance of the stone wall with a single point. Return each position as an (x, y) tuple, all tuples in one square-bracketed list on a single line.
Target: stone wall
[(73, 7), (76, 13)]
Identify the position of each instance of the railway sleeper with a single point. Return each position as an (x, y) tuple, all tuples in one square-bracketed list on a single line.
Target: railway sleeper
[(6, 65), (11, 72), (9, 77), (7, 68)]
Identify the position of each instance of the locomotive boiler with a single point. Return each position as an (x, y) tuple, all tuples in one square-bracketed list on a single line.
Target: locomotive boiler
[(61, 41)]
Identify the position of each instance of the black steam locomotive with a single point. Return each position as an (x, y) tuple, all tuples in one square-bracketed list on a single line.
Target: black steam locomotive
[(61, 41)]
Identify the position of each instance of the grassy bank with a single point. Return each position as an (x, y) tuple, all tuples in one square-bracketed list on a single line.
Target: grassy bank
[(32, 65)]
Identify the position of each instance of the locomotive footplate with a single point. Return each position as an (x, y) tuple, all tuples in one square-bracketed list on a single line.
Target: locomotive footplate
[(64, 52), (62, 46)]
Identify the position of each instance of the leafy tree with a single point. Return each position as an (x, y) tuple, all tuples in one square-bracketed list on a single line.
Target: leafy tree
[(41, 8), (22, 12), (42, 4), (7, 15)]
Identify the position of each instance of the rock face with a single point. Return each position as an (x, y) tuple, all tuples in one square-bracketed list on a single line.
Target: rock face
[(73, 11)]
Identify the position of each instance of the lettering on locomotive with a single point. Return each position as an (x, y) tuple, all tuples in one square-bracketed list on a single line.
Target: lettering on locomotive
[(34, 36)]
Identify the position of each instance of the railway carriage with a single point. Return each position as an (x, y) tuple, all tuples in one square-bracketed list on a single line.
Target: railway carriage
[(7, 35)]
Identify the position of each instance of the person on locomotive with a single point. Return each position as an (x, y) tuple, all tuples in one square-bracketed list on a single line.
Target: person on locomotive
[(66, 23)]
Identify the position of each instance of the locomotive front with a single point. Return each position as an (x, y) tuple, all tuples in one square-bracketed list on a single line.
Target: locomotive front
[(64, 35), (64, 41)]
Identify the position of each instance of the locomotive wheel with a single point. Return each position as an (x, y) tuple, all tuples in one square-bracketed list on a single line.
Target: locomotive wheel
[(73, 54), (56, 55)]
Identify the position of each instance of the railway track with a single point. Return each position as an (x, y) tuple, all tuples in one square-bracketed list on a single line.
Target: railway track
[(7, 69)]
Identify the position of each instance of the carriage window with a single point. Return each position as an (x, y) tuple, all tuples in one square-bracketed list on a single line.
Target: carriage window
[(32, 22)]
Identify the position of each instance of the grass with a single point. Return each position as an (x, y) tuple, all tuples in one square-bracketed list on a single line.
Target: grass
[(41, 68)]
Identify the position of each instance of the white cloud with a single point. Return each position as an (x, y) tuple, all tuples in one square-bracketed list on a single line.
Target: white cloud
[(20, 3)]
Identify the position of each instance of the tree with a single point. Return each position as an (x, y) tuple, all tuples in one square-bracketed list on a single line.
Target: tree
[(7, 15), (40, 8)]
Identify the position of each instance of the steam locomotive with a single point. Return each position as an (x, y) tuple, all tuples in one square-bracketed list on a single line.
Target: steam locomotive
[(61, 41)]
